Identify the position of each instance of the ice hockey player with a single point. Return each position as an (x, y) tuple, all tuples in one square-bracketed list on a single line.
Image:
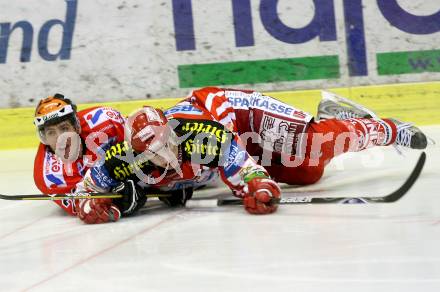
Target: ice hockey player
[(71, 142), (210, 130)]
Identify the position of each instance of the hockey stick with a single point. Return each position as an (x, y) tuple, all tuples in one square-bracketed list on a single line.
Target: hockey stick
[(396, 195), (390, 198), (54, 197)]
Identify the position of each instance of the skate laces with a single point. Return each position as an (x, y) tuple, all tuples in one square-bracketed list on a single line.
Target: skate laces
[(404, 134)]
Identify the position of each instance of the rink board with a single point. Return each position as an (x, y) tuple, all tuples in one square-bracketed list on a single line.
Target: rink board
[(415, 102)]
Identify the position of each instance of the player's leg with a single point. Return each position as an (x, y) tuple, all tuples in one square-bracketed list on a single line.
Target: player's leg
[(338, 107), (327, 139)]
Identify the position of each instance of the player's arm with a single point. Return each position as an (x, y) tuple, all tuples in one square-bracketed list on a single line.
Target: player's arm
[(213, 100), (88, 210), (248, 180), (50, 179), (110, 176), (93, 211), (106, 127)]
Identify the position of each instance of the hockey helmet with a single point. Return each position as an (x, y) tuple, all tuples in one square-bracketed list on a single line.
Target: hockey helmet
[(148, 132), (53, 110)]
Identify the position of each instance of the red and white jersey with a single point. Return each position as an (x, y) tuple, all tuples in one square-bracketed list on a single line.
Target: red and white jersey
[(277, 124), (239, 112), (100, 126), (206, 149)]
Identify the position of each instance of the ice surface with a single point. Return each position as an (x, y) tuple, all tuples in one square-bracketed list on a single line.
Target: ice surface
[(388, 247)]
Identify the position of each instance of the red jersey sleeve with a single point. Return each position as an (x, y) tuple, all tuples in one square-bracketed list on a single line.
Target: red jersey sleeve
[(213, 100), (50, 177)]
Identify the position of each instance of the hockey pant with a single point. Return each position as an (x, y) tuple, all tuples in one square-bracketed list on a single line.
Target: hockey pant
[(327, 139)]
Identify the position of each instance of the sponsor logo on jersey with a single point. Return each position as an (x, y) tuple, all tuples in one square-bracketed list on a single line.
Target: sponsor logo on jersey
[(101, 178), (243, 100), (116, 149), (100, 115), (53, 171), (183, 108), (211, 129), (54, 180), (113, 115), (192, 147), (122, 164), (236, 159), (205, 142), (280, 135)]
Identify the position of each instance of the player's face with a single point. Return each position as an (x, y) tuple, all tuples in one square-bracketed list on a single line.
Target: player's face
[(60, 146)]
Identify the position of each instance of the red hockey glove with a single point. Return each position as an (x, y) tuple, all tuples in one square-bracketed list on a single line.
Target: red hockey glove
[(92, 211), (258, 198)]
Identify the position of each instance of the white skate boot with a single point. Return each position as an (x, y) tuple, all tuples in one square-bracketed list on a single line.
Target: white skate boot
[(333, 106)]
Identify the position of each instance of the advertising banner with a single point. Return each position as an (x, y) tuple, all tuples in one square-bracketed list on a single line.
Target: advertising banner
[(108, 50)]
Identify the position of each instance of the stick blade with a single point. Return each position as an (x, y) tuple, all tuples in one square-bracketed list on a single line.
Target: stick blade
[(400, 192)]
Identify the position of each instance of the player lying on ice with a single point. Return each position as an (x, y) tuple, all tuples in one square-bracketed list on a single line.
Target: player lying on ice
[(70, 144), (251, 140)]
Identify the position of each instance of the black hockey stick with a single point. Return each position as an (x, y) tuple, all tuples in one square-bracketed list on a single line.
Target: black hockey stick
[(396, 195), (393, 197), (54, 197)]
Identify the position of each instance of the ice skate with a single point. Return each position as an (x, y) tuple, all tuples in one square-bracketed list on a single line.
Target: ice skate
[(333, 106), (409, 136)]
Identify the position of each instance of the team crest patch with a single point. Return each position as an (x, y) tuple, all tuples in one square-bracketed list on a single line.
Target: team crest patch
[(279, 134)]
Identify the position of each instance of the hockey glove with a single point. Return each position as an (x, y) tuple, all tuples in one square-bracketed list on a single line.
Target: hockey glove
[(177, 198), (257, 199), (92, 211), (133, 197)]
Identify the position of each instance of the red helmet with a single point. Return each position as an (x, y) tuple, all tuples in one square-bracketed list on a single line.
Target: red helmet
[(147, 130)]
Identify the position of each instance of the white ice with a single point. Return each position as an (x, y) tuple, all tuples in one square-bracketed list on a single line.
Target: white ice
[(376, 247)]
